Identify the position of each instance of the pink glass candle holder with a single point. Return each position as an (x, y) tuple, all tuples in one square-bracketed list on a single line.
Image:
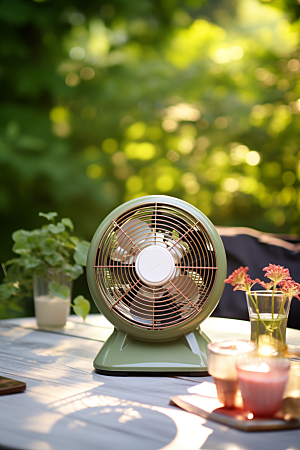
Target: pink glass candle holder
[(221, 361), (262, 382)]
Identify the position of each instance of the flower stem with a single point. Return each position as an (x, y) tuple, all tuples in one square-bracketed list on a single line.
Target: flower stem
[(282, 306), (280, 312), (255, 303)]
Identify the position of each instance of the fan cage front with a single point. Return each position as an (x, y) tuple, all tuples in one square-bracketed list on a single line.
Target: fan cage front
[(169, 304)]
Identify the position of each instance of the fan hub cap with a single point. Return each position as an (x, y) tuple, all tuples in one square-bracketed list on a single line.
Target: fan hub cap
[(155, 265)]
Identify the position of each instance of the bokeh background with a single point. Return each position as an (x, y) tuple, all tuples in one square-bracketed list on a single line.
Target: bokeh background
[(103, 101)]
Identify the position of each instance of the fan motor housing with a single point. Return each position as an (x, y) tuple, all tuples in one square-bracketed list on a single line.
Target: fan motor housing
[(156, 268)]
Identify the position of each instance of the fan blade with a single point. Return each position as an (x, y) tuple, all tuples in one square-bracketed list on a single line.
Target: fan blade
[(142, 306), (177, 251), (132, 232), (153, 239), (184, 289), (120, 255), (158, 305)]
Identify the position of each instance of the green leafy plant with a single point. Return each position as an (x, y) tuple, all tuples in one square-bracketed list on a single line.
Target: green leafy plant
[(49, 248)]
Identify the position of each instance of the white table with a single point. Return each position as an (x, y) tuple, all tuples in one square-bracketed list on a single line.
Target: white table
[(68, 406)]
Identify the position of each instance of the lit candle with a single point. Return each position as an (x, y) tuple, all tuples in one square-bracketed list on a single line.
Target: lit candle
[(262, 383), (221, 360)]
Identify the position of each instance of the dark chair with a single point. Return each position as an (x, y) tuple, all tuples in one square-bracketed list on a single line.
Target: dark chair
[(248, 247)]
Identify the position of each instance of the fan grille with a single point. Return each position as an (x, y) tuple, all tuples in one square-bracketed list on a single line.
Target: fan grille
[(188, 287)]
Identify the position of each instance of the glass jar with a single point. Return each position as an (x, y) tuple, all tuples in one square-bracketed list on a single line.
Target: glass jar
[(51, 310)]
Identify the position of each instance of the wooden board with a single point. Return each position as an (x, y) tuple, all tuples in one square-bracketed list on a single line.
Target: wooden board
[(11, 386), (212, 409)]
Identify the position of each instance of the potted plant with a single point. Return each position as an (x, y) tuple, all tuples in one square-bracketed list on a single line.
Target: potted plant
[(268, 309), (49, 259)]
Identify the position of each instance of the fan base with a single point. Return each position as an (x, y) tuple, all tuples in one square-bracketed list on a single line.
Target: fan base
[(122, 355), (116, 373)]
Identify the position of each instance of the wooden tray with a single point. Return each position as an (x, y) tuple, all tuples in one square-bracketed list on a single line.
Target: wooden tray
[(210, 408), (10, 386)]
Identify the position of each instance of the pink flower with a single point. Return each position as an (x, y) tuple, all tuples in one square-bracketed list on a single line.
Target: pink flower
[(241, 280), (290, 287), (276, 274), (246, 285), (267, 286), (238, 276)]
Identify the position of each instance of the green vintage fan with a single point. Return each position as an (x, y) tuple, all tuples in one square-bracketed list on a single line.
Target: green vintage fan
[(156, 269)]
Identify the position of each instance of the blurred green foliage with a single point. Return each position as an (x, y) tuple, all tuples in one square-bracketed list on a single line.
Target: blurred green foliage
[(106, 101)]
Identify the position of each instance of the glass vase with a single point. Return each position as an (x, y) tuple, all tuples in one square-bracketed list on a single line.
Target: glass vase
[(268, 313), (51, 310)]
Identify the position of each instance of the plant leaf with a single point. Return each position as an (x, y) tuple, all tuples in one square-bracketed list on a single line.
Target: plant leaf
[(47, 246), (30, 262), (21, 248), (11, 261), (16, 307), (54, 259), (20, 235), (81, 306), (24, 241), (68, 223), (7, 290), (48, 216), (56, 229), (72, 272), (81, 252), (59, 290), (74, 239)]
